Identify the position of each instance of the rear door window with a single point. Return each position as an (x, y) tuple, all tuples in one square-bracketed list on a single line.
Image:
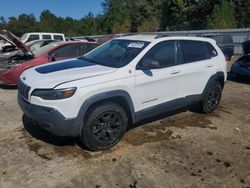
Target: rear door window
[(58, 37), (33, 37), (46, 36), (192, 51)]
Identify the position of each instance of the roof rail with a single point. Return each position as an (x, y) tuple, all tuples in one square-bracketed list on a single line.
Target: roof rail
[(129, 34), (161, 36)]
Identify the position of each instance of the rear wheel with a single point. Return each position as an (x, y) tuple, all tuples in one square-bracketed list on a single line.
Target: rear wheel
[(211, 98), (104, 126)]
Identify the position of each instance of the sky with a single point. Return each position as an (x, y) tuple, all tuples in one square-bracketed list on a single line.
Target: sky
[(72, 8)]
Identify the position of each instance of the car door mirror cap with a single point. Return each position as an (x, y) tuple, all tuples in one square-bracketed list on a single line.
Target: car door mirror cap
[(149, 64)]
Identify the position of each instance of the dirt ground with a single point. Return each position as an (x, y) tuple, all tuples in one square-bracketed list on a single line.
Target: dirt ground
[(184, 150)]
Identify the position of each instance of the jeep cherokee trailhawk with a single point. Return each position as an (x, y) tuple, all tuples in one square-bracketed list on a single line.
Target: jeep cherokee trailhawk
[(120, 83)]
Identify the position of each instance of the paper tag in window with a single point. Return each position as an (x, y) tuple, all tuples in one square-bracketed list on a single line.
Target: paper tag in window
[(136, 45)]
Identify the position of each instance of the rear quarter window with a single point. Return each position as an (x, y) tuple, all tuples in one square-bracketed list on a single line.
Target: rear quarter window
[(212, 52), (192, 51)]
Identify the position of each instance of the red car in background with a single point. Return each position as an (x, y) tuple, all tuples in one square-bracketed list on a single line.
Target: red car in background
[(9, 74)]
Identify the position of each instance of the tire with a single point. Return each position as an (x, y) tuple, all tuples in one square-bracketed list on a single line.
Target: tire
[(104, 126), (212, 98)]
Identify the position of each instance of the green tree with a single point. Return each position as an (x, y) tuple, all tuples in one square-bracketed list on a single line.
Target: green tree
[(2, 22), (116, 16), (242, 12), (48, 21), (222, 16), (88, 25), (174, 15), (141, 12), (150, 25), (23, 24)]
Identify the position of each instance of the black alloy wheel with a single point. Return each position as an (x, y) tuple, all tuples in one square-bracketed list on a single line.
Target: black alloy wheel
[(107, 127), (212, 98), (104, 126)]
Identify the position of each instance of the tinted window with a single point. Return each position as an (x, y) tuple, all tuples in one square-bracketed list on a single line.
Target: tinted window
[(46, 36), (164, 53), (69, 51), (211, 50), (90, 47), (192, 51), (33, 37), (58, 37)]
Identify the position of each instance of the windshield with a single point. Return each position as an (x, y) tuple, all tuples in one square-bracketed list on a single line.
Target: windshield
[(44, 49), (115, 53)]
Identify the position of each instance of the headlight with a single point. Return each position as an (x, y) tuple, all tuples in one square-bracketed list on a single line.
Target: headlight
[(49, 94)]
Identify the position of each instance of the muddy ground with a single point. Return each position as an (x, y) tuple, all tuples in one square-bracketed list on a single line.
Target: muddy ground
[(184, 150)]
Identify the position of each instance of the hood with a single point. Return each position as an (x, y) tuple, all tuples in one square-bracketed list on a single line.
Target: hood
[(15, 41), (246, 47), (54, 74)]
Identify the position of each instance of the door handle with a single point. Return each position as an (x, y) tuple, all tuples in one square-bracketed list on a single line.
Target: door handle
[(209, 65), (175, 71)]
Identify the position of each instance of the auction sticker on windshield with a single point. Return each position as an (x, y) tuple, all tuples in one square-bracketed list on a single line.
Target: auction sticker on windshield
[(136, 45)]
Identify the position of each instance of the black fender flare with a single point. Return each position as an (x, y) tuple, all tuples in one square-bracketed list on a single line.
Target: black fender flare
[(101, 97), (219, 76)]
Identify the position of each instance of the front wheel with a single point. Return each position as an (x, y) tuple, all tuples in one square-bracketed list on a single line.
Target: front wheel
[(211, 98), (104, 126)]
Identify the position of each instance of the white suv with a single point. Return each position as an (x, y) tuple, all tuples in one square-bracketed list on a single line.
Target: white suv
[(120, 83), (28, 37)]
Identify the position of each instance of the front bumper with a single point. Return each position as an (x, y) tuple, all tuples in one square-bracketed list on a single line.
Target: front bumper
[(50, 119)]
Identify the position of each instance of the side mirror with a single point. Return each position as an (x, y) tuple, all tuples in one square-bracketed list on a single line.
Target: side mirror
[(149, 64)]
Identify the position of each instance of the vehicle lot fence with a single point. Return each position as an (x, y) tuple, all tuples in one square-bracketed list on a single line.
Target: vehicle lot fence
[(237, 36)]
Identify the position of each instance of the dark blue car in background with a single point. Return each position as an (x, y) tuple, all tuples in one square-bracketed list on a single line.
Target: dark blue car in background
[(241, 67)]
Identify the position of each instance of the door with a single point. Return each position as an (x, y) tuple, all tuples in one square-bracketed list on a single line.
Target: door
[(196, 64), (159, 85)]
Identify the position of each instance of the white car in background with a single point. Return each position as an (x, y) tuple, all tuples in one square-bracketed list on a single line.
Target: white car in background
[(125, 80), (27, 37)]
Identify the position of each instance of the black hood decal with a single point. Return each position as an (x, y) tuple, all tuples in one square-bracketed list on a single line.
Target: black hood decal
[(63, 66)]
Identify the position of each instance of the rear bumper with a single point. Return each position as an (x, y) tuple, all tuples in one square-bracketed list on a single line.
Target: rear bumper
[(50, 119)]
